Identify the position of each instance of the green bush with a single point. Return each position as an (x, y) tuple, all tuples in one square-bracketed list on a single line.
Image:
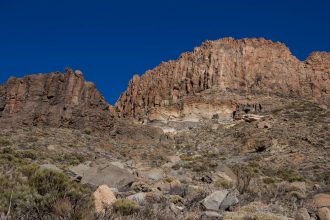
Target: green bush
[(88, 131), (125, 206), (4, 143), (44, 194), (7, 150), (289, 175), (268, 180), (31, 154), (223, 184), (325, 177)]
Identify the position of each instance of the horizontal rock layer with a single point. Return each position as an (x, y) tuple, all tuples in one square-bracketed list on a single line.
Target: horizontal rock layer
[(247, 66)]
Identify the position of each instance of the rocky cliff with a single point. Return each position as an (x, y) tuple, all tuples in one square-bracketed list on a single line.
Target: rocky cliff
[(54, 99), (227, 66)]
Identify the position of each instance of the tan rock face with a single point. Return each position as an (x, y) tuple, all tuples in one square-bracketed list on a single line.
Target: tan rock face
[(322, 200), (103, 198), (247, 66), (324, 213), (55, 99)]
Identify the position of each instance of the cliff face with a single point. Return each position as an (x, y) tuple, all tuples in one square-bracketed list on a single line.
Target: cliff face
[(54, 99), (247, 66)]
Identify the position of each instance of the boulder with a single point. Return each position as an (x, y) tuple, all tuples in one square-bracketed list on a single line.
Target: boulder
[(154, 174), (323, 213), (220, 200), (102, 172), (139, 198), (168, 184), (213, 201), (321, 200), (230, 200), (103, 197)]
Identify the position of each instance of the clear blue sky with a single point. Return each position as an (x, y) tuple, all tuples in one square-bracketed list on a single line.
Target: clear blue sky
[(112, 40)]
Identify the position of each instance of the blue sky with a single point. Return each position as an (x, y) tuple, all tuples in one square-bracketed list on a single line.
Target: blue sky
[(112, 40)]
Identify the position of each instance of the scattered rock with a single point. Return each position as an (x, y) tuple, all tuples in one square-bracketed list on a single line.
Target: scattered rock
[(213, 201), (241, 215), (230, 200), (212, 214), (139, 198), (154, 174), (103, 197), (51, 147), (118, 164), (323, 213), (302, 214), (167, 184), (321, 200), (264, 124), (175, 209)]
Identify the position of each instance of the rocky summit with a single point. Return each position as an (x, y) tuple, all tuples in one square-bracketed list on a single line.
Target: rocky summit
[(55, 99), (236, 129), (229, 70)]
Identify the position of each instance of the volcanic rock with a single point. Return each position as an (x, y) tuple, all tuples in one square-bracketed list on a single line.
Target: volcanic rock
[(55, 99), (221, 69)]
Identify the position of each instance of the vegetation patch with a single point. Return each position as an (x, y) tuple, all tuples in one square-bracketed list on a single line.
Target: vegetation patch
[(125, 206)]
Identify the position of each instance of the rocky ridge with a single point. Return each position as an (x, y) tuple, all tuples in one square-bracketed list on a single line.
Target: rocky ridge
[(54, 99), (224, 68)]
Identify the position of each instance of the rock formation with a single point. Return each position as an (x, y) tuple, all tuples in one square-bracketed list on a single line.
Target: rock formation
[(227, 66), (54, 99)]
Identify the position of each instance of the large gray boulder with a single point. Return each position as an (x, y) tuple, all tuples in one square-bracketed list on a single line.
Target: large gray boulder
[(229, 201), (100, 173), (139, 198), (220, 200)]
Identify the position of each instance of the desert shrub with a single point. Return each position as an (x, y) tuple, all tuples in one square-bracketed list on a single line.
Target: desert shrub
[(175, 199), (28, 170), (32, 139), (176, 166), (223, 184), (31, 154), (198, 163), (125, 206), (62, 207), (268, 180), (71, 158), (325, 177), (7, 150), (47, 181), (289, 175), (4, 143), (88, 131), (44, 194), (244, 176)]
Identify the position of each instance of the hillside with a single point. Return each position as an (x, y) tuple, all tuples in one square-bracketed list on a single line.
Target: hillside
[(236, 129)]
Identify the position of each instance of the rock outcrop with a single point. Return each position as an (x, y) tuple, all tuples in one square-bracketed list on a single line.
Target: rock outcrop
[(54, 99), (228, 66)]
